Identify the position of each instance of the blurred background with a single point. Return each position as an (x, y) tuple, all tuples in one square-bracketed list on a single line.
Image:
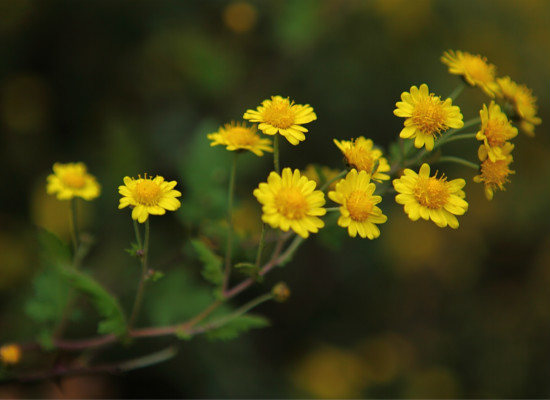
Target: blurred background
[(134, 87)]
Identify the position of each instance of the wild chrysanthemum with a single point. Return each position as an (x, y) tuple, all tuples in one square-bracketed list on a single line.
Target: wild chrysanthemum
[(494, 174), (522, 102), (72, 180), (358, 211), (429, 197), (148, 196), (280, 115), (475, 70), (427, 116), (495, 130), (361, 155), (290, 201), (10, 354), (239, 137)]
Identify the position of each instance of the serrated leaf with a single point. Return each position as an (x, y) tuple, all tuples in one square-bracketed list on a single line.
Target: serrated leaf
[(236, 326), (106, 304), (212, 263)]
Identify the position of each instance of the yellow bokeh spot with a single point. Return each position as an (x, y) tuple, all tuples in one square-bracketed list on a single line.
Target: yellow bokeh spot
[(240, 16)]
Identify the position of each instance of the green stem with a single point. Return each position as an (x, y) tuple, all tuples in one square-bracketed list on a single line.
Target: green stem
[(332, 209), (330, 181), (261, 245), (458, 90), (138, 235), (298, 240), (276, 154), (75, 237), (462, 136), (229, 248), (458, 160), (143, 279)]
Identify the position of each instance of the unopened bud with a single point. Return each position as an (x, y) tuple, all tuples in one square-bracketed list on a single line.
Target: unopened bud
[(280, 292), (10, 354)]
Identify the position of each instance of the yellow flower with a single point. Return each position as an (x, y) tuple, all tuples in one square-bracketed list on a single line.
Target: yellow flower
[(148, 196), (72, 180), (280, 115), (475, 70), (290, 201), (10, 354), (360, 155), (239, 137), (524, 105), (494, 174), (495, 130), (426, 116), (358, 211), (428, 197)]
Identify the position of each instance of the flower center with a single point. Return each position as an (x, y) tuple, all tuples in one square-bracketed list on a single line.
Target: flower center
[(359, 158), (279, 114), (291, 203), (147, 192), (359, 205), (478, 69), (429, 116), (495, 173), (239, 136), (74, 180), (495, 131), (431, 192)]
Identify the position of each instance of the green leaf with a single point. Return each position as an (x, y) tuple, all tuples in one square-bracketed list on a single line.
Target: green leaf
[(236, 326), (51, 290), (106, 304), (212, 263)]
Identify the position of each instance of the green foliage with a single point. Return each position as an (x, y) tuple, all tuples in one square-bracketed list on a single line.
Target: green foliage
[(236, 326), (51, 290), (106, 304), (212, 263)]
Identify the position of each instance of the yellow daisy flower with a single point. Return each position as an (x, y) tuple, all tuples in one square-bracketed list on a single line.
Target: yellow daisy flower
[(494, 174), (239, 137), (280, 115), (428, 197), (72, 180), (290, 201), (495, 130), (358, 212), (360, 155), (426, 116), (148, 196), (10, 354), (524, 105), (475, 70)]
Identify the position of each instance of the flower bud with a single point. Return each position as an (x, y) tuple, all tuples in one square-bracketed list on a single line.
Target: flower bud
[(280, 292)]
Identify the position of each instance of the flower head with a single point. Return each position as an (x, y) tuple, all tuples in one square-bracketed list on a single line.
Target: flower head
[(290, 201), (427, 116), (494, 174), (10, 354), (280, 115), (358, 211), (72, 180), (360, 155), (522, 102), (148, 196), (239, 137), (475, 70), (429, 197), (495, 131)]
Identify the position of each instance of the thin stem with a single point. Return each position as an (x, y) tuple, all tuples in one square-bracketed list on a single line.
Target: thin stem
[(138, 235), (289, 252), (462, 136), (458, 90), (330, 181), (74, 226), (143, 279), (276, 154), (459, 160), (332, 209), (261, 245), (229, 248)]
